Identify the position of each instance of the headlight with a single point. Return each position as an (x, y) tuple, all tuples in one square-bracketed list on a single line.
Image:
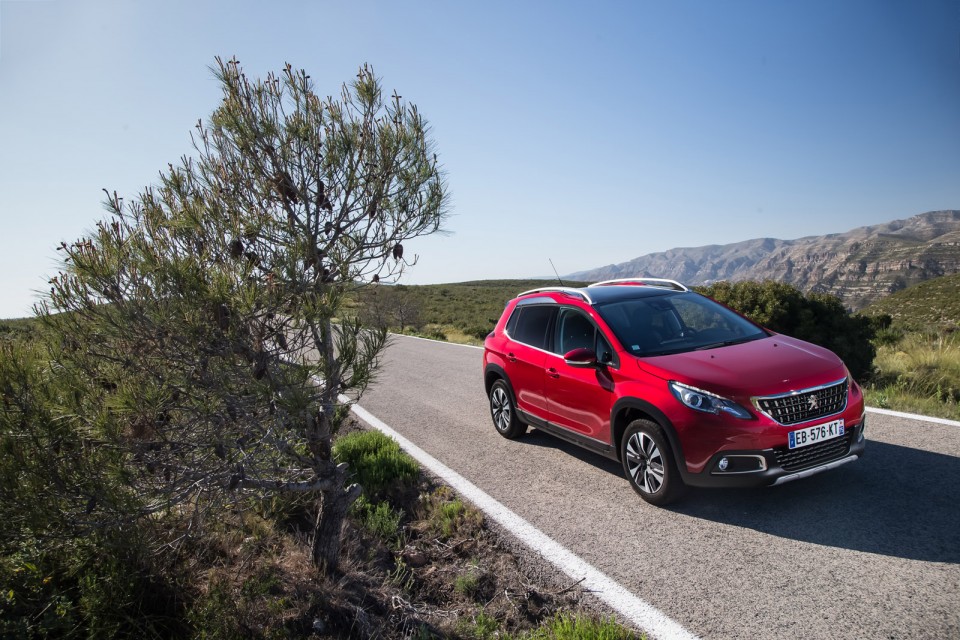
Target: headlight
[(701, 400)]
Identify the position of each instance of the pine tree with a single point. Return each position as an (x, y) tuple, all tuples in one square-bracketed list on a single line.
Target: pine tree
[(211, 307)]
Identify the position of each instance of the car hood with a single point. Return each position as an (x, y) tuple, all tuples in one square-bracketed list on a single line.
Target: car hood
[(772, 365)]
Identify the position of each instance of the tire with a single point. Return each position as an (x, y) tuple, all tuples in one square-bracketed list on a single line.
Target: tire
[(649, 464), (503, 410)]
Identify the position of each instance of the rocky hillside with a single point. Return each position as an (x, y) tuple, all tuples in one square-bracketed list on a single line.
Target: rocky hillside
[(859, 266)]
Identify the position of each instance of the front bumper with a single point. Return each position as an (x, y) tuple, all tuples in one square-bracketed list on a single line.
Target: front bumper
[(779, 465)]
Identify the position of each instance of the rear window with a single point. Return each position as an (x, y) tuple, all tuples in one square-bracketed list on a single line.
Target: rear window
[(530, 325)]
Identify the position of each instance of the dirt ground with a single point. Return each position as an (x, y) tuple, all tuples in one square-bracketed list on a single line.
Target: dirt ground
[(443, 572)]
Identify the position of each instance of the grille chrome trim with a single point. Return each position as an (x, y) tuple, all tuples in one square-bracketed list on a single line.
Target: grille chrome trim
[(788, 408)]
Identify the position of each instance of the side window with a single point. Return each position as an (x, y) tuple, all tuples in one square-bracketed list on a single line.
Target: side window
[(574, 331), (604, 351), (531, 325), (511, 327)]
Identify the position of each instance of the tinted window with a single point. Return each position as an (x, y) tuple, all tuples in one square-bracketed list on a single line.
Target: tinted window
[(676, 323), (511, 327), (574, 331), (604, 351), (532, 325)]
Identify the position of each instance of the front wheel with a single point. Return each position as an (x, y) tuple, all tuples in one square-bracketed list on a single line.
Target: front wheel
[(648, 463), (504, 412)]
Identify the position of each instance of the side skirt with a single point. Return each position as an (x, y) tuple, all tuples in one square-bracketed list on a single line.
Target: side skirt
[(584, 442)]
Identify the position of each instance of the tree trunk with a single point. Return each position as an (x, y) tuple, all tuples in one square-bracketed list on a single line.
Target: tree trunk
[(329, 526)]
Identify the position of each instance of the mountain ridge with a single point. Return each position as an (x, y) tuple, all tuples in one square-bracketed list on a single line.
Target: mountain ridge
[(859, 266)]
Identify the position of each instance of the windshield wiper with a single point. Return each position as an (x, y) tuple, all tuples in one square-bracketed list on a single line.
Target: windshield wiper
[(714, 345), (727, 343)]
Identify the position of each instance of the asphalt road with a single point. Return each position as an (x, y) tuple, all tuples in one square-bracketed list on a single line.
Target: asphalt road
[(869, 550)]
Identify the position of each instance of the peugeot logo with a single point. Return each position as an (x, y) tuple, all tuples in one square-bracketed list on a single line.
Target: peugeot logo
[(814, 403)]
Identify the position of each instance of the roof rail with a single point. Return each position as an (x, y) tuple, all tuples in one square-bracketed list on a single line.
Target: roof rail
[(649, 282), (570, 291)]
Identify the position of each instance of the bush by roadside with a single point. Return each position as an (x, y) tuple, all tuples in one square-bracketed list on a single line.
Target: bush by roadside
[(418, 563), (918, 373)]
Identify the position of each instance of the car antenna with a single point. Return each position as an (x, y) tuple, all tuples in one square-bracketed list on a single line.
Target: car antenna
[(557, 274)]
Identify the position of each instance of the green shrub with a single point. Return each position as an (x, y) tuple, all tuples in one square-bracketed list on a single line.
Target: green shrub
[(447, 515), (435, 333), (565, 626), (215, 615), (85, 588), (480, 627), (379, 518), (815, 317), (468, 583), (377, 463)]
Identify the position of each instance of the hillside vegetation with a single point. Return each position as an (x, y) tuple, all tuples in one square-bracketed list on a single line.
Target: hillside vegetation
[(917, 367), (930, 305)]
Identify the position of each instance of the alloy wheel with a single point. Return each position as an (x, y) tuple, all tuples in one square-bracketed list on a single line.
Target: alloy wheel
[(501, 409), (645, 462)]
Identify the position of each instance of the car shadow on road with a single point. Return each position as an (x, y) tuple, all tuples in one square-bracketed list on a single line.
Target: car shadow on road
[(895, 501)]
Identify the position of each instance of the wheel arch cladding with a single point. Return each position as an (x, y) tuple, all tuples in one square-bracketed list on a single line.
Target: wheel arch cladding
[(493, 373), (626, 410)]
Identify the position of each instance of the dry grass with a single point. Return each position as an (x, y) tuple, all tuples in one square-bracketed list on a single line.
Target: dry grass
[(447, 576), (919, 373)]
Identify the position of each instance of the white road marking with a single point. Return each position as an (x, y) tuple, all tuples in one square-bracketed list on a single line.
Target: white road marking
[(642, 614), (913, 416), (456, 344)]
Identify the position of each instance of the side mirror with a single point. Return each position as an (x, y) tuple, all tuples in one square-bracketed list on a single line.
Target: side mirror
[(581, 358)]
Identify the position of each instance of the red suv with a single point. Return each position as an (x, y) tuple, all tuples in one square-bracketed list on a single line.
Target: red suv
[(679, 388)]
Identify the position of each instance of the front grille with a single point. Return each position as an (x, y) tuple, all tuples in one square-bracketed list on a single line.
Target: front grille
[(808, 404), (815, 454)]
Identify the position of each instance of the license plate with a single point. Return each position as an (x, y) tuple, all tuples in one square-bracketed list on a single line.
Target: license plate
[(813, 435)]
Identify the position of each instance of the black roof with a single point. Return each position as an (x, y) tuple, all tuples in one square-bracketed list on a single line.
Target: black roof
[(596, 295), (618, 292)]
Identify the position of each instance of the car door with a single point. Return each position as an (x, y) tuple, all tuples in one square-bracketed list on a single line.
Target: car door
[(579, 399), (529, 332)]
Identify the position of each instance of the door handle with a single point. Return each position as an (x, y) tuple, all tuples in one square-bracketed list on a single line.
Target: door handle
[(553, 373)]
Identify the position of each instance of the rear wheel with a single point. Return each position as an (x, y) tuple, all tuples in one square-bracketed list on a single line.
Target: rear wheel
[(649, 464), (504, 412)]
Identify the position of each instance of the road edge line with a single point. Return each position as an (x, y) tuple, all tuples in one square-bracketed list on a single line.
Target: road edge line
[(914, 416), (640, 613), (456, 344)]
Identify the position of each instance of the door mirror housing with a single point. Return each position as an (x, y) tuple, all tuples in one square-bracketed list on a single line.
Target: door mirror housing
[(582, 358)]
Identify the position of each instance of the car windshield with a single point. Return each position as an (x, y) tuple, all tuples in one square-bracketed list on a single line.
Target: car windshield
[(661, 325)]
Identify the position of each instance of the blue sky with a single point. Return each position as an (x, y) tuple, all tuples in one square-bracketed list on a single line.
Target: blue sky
[(589, 133)]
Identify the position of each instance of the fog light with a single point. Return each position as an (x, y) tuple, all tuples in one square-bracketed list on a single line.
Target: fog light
[(723, 464)]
